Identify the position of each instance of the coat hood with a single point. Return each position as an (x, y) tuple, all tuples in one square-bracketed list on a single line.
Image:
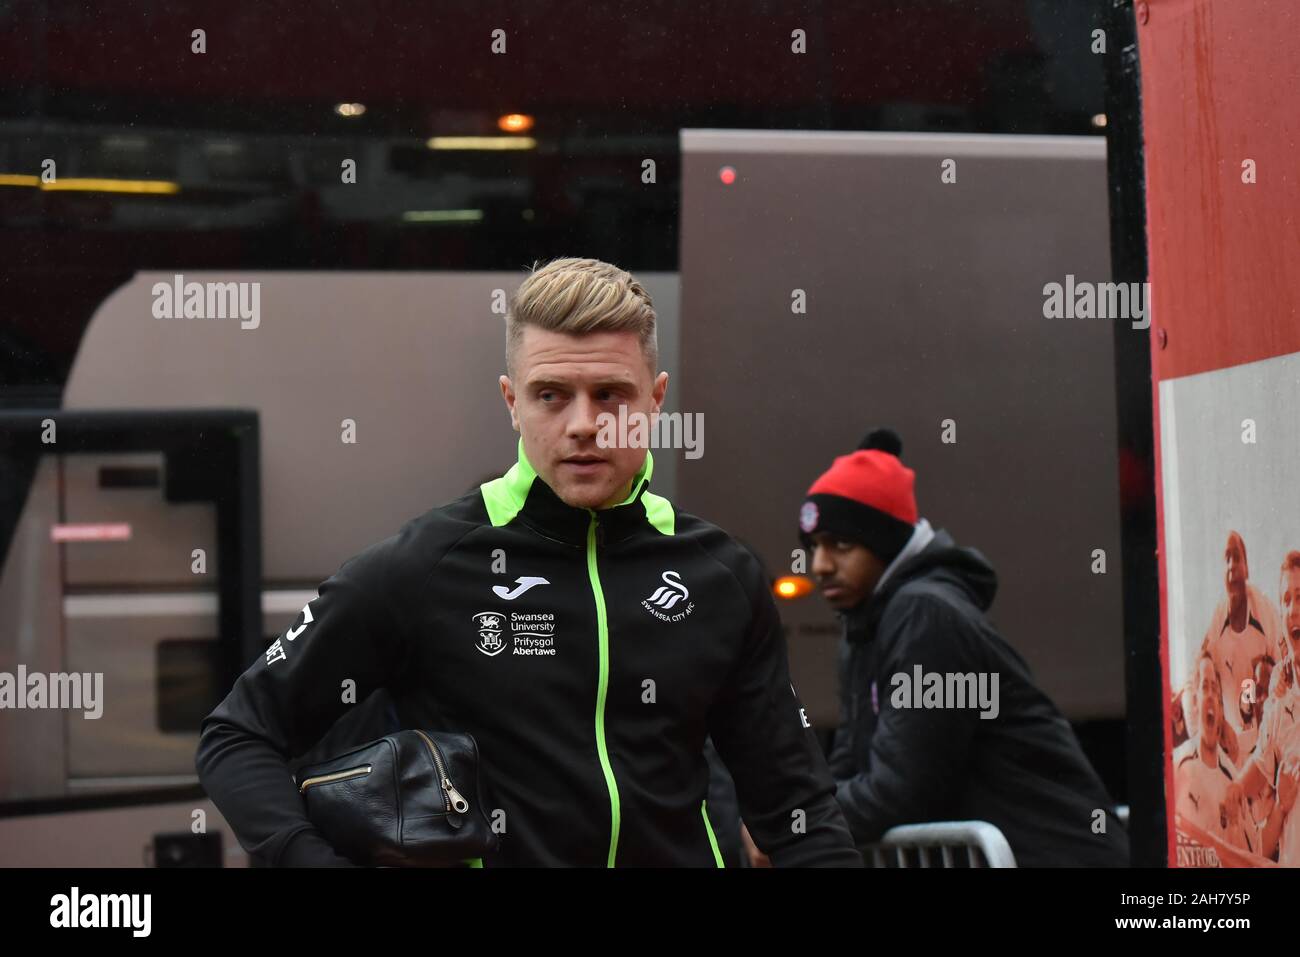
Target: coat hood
[(942, 561)]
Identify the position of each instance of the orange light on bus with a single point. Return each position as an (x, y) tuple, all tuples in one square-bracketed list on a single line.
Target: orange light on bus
[(88, 184), (481, 143), (515, 123), (791, 587)]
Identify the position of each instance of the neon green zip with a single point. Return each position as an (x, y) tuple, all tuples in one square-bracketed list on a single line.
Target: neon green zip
[(713, 841), (602, 628)]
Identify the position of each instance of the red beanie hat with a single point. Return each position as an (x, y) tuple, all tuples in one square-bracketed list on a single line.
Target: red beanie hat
[(866, 496)]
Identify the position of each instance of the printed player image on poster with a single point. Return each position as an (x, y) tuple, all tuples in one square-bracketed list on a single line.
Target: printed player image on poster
[(1230, 449)]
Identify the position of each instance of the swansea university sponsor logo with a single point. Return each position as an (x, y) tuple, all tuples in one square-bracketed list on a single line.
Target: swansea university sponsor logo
[(528, 634), (489, 641), (671, 600), (533, 633), (521, 585)]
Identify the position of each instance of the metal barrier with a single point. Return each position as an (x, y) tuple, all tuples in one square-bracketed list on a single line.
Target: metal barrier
[(954, 843)]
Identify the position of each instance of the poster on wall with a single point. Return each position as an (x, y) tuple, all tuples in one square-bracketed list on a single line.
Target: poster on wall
[(1230, 451)]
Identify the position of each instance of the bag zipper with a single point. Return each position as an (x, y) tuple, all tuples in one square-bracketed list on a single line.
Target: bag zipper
[(451, 797), (331, 778)]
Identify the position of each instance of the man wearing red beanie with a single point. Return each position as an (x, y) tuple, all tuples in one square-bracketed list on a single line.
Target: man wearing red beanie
[(942, 720)]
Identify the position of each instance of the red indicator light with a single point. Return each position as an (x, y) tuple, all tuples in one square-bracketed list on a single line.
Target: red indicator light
[(91, 532)]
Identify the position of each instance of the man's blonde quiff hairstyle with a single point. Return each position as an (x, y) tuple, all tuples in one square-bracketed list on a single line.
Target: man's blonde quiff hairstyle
[(578, 296)]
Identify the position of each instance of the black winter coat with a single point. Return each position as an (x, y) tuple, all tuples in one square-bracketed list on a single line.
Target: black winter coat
[(1021, 768)]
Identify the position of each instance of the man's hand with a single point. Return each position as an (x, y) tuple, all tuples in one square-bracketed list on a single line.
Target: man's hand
[(1288, 679), (1177, 719), (1230, 811), (756, 857)]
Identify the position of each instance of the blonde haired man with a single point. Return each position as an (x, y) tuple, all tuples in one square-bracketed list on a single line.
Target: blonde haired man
[(623, 633)]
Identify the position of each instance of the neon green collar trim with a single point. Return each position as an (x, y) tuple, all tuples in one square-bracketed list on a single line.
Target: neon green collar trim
[(504, 497)]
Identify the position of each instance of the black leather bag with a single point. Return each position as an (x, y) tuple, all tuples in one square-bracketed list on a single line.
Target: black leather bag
[(410, 799)]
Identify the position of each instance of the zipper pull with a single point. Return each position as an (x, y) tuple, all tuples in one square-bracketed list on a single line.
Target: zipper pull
[(458, 802)]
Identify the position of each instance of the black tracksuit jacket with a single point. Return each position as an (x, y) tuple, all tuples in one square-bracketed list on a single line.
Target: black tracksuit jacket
[(590, 653), (1022, 770)]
